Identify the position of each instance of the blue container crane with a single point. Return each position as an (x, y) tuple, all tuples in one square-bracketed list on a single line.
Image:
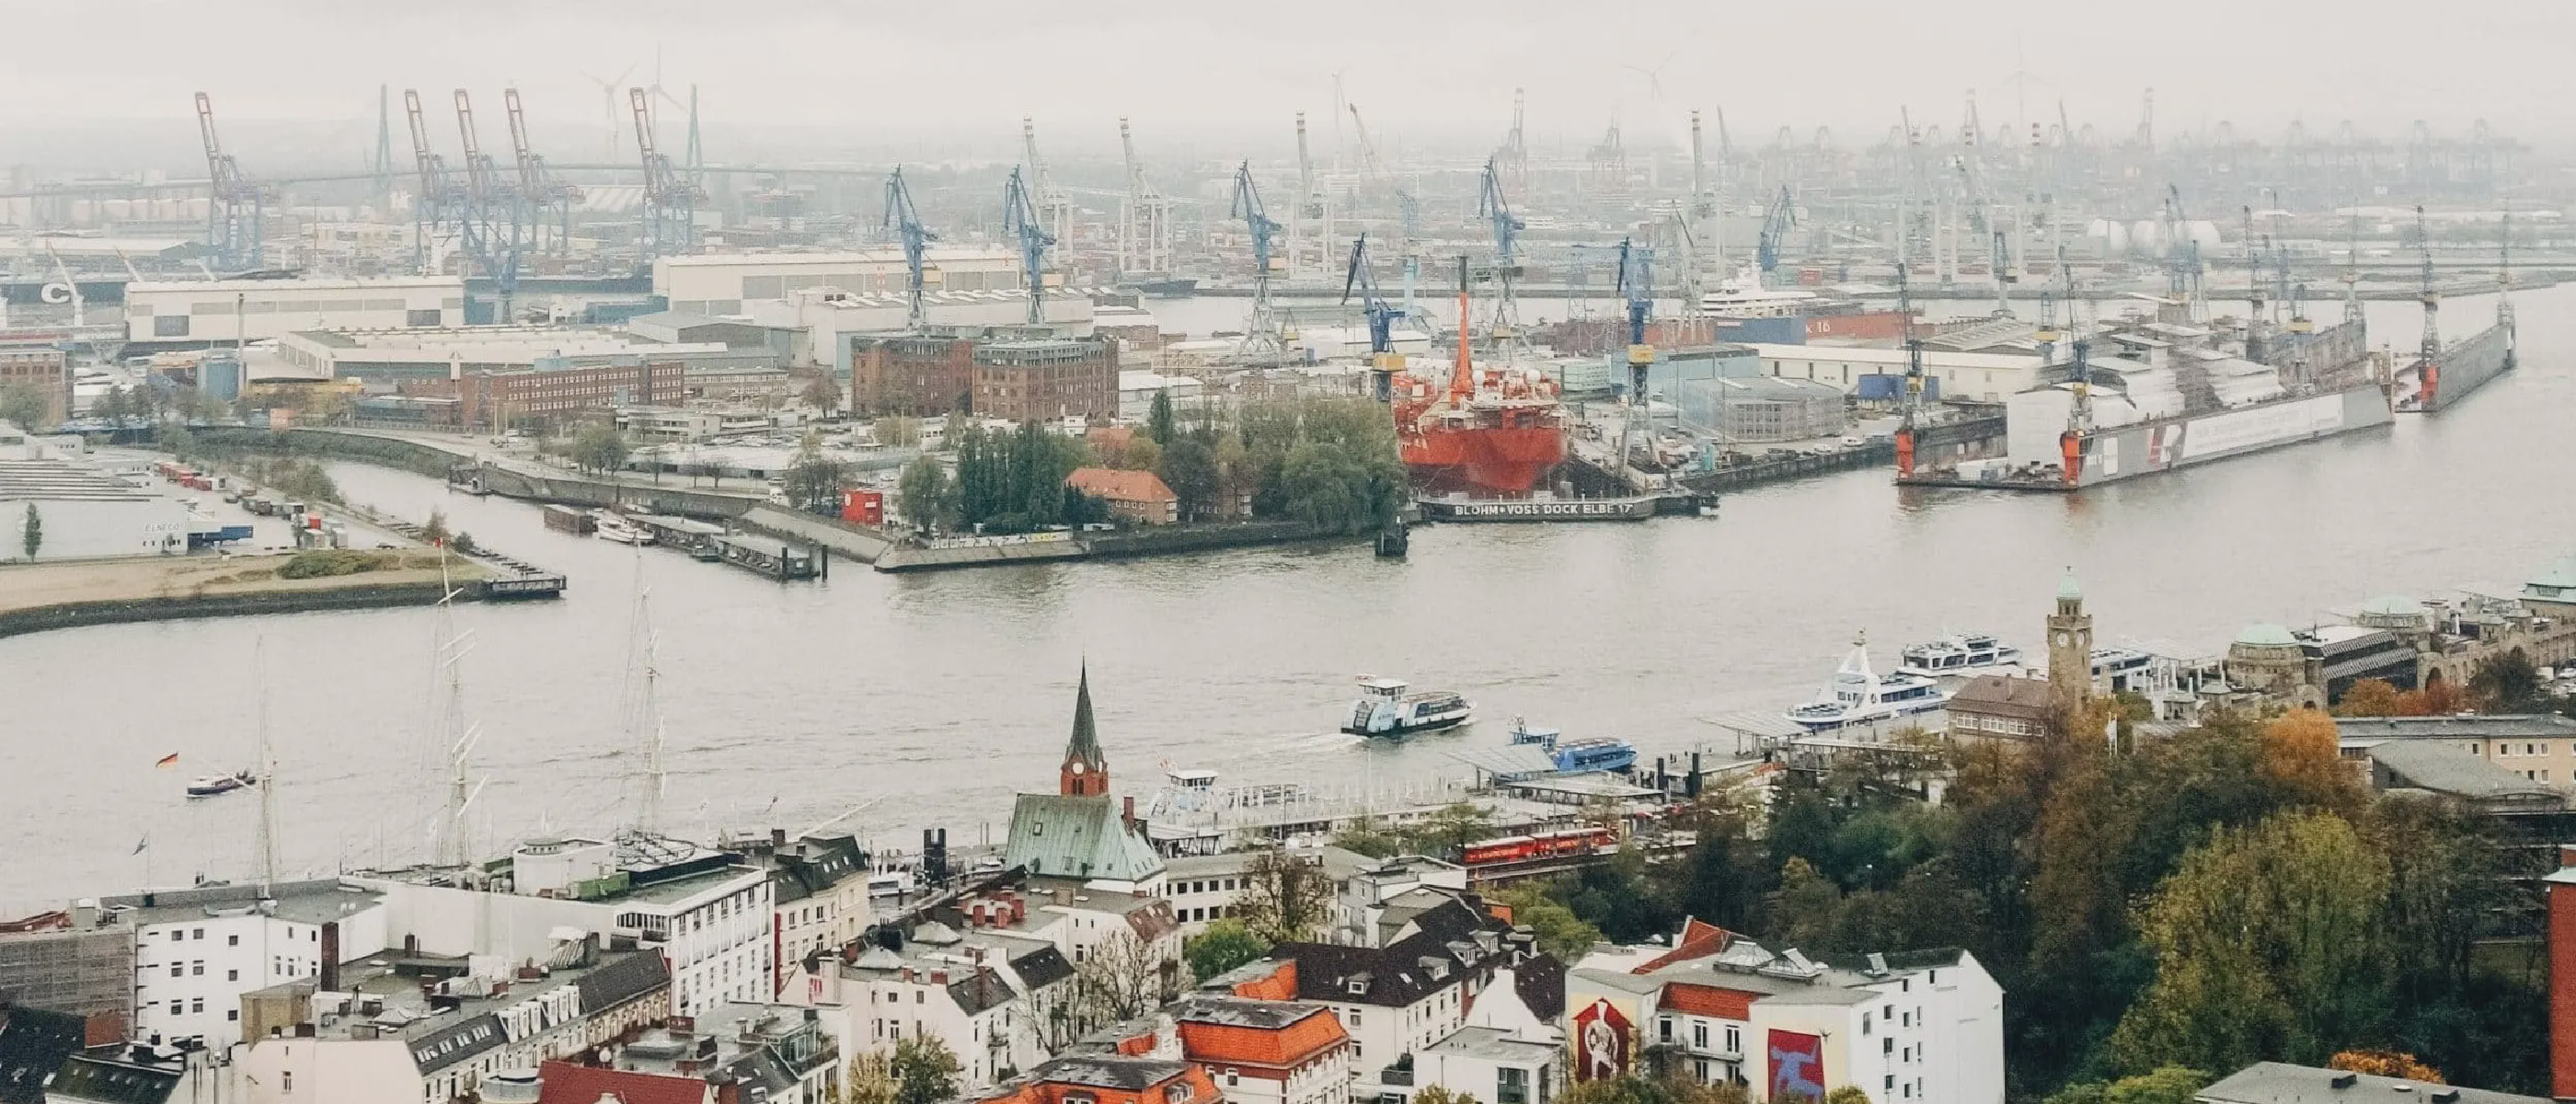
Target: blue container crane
[(1384, 361), (1775, 226), (1020, 218), (906, 223)]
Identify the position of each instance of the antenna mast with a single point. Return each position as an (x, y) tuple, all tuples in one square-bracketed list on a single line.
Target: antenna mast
[(460, 737), (267, 774), (646, 662)]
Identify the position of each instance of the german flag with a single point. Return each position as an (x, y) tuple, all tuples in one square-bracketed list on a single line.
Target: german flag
[(165, 762)]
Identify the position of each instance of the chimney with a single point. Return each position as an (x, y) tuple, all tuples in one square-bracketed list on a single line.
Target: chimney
[(2562, 975), (778, 839), (1127, 810), (939, 977), (330, 981)]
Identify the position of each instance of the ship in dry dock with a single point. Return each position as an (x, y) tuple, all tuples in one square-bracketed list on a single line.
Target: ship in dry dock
[(2443, 374)]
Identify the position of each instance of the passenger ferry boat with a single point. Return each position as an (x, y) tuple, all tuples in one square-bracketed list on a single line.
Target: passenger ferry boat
[(1858, 695), (1592, 753), (1385, 709), (1956, 654)]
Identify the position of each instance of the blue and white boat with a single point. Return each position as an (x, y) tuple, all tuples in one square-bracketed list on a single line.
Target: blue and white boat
[(1957, 654), (1386, 708), (1592, 753), (1859, 696)]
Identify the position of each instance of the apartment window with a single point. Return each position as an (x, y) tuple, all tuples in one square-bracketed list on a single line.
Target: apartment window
[(1699, 1036), (1511, 1086), (198, 967), (178, 969), (197, 1005), (200, 934), (1734, 1040), (232, 975), (286, 1081), (232, 1015), (178, 1008), (1864, 1023), (232, 940), (1886, 1046), (1891, 1082), (1664, 1029), (169, 325)]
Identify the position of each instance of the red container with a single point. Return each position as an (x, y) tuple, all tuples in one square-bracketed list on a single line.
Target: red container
[(863, 507)]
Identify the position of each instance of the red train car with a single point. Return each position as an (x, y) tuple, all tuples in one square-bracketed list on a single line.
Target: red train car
[(1543, 845)]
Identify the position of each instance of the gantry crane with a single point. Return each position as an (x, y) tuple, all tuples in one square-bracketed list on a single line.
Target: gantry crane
[(670, 199), (491, 222), (438, 202), (549, 201), (1055, 205), (1408, 210), (1144, 220), (2079, 407), (1020, 219), (236, 204), (906, 223), (1384, 362), (1310, 219), (2428, 349), (2254, 337), (1263, 334), (1776, 223), (1910, 408), (1636, 285), (1496, 209)]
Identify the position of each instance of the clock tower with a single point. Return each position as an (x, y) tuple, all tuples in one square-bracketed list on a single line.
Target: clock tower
[(1086, 769), (2070, 645)]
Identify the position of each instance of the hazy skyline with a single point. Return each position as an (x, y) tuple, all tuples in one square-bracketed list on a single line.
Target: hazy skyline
[(1433, 70)]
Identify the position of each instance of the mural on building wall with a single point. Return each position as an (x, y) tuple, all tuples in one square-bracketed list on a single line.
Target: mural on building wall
[(1601, 1039), (1797, 1066)]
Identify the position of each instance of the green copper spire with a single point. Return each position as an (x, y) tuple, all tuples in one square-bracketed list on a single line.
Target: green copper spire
[(1085, 745)]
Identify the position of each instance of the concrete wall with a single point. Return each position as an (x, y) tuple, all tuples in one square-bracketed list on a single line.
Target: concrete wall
[(274, 308)]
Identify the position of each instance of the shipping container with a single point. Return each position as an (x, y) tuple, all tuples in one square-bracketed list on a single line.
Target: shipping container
[(565, 519), (863, 507)]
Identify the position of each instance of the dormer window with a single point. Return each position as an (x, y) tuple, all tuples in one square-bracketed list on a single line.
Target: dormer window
[(1357, 987)]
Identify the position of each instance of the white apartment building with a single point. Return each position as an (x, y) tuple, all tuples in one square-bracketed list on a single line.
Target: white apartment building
[(197, 951), (993, 998), (178, 312), (708, 914), (1910, 1027)]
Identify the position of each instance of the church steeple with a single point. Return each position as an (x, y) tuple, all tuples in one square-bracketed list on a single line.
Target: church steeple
[(1086, 769)]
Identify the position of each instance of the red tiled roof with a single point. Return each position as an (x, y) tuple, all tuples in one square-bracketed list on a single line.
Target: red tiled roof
[(1707, 1000), (1279, 984), (1699, 939), (566, 1083), (1120, 486)]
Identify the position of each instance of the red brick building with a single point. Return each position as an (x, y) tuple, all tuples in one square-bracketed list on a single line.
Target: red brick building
[(1137, 496), (493, 400), (43, 366), (1019, 380)]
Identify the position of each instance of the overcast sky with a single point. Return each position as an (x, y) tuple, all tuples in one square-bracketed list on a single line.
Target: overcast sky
[(1422, 69)]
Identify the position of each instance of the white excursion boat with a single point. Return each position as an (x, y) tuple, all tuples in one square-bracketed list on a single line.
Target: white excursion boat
[(1743, 296), (217, 784), (1956, 654), (1385, 709), (1858, 695), (615, 528)]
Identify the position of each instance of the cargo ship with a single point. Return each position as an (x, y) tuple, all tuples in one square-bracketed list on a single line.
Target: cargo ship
[(2175, 399), (1489, 433)]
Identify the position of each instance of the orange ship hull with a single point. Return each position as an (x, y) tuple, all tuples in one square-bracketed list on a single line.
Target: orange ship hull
[(1484, 461)]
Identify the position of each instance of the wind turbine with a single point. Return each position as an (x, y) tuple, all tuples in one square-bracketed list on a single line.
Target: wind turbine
[(611, 91)]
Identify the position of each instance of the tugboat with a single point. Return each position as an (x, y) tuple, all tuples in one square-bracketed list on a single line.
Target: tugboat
[(1956, 654), (1859, 696), (1384, 709), (215, 785), (1592, 753)]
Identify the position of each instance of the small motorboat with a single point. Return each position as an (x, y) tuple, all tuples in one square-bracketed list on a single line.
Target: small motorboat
[(214, 785)]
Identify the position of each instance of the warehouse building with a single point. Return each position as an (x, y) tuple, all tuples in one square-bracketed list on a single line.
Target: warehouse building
[(384, 359), (723, 283), (1761, 409), (826, 320), (1014, 380), (553, 391), (197, 313), (1986, 377), (79, 511)]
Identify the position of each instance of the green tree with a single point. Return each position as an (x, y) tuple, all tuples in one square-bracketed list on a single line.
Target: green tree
[(1285, 898), (111, 407), (31, 536), (821, 394), (1450, 828), (924, 1071), (1623, 1089), (1322, 488), (1560, 931), (896, 431), (1847, 1094), (1226, 944), (2507, 683), (2268, 945), (1189, 469), (1442, 1094), (1368, 837), (1158, 419), (599, 448), (925, 493), (2162, 1085), (871, 1080), (176, 437), (25, 406), (813, 481), (435, 529)]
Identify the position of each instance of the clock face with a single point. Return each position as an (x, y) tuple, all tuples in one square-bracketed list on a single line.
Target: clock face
[(1078, 768), (2062, 638)]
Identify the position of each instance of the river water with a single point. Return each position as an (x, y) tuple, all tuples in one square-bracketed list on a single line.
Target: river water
[(947, 692)]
